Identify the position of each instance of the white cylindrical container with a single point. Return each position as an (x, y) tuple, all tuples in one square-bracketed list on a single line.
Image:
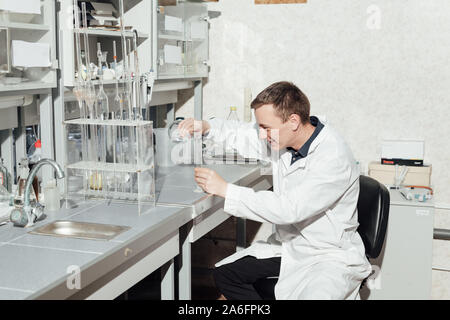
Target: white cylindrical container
[(163, 148), (52, 197)]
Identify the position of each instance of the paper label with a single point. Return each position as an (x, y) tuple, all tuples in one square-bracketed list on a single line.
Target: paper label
[(422, 212), (22, 6), (21, 56), (172, 54), (173, 24)]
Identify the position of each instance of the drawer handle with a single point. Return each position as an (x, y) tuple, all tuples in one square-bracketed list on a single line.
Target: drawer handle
[(128, 252)]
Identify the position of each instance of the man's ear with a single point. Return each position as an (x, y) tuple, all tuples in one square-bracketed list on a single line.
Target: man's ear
[(294, 122)]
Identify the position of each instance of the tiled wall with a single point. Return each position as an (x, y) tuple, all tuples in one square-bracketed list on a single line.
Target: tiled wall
[(376, 69)]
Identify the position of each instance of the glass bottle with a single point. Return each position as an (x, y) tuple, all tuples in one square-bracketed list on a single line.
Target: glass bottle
[(175, 134), (233, 114), (232, 117), (35, 152)]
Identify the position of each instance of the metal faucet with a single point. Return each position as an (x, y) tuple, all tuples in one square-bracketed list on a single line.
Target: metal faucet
[(37, 209)]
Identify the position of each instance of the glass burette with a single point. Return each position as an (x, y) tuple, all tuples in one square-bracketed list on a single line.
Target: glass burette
[(102, 106), (90, 97), (128, 131), (80, 92), (117, 134)]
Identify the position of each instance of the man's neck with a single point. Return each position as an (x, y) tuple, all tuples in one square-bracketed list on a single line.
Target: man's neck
[(306, 131)]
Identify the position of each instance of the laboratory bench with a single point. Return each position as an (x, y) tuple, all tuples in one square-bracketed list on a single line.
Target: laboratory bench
[(45, 267), (41, 267), (176, 185)]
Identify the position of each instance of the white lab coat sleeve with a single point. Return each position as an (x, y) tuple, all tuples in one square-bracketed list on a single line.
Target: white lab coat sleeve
[(318, 191), (241, 136)]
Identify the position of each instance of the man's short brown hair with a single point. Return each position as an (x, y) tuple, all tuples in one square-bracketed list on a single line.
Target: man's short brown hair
[(286, 98)]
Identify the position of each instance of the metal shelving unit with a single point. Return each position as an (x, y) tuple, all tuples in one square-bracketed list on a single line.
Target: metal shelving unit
[(31, 88), (141, 15), (36, 29)]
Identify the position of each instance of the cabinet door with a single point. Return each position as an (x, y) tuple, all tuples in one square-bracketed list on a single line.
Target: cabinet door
[(170, 54), (24, 30), (183, 46), (403, 268), (4, 51), (197, 44)]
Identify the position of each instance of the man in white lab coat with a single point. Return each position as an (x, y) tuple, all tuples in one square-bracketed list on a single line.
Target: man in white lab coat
[(315, 250)]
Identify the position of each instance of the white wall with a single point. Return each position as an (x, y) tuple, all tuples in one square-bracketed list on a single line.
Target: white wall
[(371, 84), (391, 82)]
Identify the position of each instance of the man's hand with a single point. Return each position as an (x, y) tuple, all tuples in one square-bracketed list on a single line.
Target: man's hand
[(189, 126), (210, 181)]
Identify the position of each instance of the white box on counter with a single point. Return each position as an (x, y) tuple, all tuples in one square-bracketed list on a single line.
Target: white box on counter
[(417, 176)]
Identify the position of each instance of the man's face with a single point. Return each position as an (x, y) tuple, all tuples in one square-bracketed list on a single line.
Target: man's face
[(272, 128)]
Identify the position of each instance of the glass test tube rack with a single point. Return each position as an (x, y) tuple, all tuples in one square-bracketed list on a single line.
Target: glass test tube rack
[(110, 160)]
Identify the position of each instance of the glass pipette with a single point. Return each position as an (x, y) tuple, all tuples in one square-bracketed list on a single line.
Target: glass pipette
[(132, 114), (102, 98), (137, 84), (128, 131), (79, 91), (90, 97), (117, 134), (126, 71)]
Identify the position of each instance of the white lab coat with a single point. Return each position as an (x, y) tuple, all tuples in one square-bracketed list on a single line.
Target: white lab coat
[(313, 208)]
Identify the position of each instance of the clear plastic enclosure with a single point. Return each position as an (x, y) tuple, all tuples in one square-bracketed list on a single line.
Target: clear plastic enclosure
[(197, 47), (183, 48), (23, 11), (27, 26), (111, 160)]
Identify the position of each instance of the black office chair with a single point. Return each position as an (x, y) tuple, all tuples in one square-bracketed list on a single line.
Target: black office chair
[(373, 212)]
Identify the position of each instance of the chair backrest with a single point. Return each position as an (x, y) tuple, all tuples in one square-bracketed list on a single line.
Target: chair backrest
[(373, 213)]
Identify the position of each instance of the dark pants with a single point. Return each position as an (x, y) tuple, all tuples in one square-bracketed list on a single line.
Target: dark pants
[(245, 279)]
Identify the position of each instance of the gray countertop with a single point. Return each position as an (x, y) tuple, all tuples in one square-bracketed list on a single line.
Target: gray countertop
[(31, 265), (176, 185), (398, 199)]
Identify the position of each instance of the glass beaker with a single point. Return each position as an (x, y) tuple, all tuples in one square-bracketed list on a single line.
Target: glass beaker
[(175, 134)]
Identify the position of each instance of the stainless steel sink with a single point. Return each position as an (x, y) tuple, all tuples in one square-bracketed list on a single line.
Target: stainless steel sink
[(80, 230)]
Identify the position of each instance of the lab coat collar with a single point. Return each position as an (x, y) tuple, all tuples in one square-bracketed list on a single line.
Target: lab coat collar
[(301, 163), (303, 151)]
